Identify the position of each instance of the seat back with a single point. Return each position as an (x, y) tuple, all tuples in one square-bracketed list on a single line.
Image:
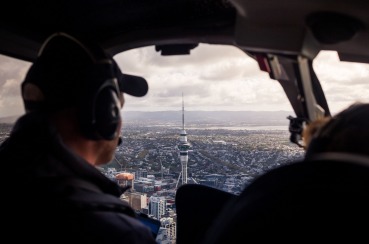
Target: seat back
[(197, 206), (324, 198)]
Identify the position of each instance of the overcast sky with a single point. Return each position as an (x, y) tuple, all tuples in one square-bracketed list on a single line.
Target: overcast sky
[(211, 78)]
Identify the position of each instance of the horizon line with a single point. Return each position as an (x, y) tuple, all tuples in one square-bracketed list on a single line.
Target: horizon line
[(180, 110), (175, 110)]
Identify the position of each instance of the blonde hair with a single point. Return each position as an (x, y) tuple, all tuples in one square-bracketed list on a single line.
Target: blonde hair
[(312, 129)]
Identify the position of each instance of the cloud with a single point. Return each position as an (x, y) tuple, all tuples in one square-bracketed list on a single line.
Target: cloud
[(212, 77), (342, 82), (223, 77), (12, 73)]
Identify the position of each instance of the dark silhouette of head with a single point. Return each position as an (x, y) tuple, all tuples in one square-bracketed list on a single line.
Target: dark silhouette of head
[(345, 132)]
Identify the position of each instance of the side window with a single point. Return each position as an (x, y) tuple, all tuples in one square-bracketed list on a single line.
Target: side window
[(342, 82), (12, 73)]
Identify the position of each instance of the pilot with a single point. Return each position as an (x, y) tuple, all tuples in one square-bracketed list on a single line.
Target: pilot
[(53, 189), (346, 132)]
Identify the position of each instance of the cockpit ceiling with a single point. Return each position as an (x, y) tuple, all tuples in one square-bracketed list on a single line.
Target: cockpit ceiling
[(304, 26), (281, 27), (117, 24)]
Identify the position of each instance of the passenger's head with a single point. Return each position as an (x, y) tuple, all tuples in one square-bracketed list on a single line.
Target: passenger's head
[(346, 132), (73, 74)]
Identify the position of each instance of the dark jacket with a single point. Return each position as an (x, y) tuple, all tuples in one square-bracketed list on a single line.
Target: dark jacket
[(51, 195)]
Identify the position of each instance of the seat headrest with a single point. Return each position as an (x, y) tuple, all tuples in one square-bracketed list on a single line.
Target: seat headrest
[(324, 197)]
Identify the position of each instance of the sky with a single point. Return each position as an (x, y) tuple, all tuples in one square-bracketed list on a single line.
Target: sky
[(213, 77)]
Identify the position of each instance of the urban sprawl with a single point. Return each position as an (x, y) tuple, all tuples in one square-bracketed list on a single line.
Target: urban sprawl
[(228, 159)]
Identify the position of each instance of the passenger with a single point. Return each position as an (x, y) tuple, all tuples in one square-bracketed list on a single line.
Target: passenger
[(52, 191), (312, 129), (346, 132), (325, 199)]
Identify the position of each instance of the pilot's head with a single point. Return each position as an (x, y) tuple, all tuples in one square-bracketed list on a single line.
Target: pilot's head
[(80, 89), (346, 132), (71, 73)]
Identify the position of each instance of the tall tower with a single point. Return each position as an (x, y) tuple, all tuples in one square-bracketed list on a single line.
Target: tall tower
[(183, 147)]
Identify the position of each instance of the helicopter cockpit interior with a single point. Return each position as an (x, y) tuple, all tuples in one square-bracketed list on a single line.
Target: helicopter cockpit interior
[(284, 38)]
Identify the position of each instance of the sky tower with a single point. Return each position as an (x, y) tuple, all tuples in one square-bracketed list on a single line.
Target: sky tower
[(183, 147)]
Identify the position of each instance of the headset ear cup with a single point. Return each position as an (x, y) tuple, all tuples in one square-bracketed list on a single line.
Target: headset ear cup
[(107, 114), (99, 107)]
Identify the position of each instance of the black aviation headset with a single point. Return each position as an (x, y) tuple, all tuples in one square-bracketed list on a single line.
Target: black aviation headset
[(98, 104)]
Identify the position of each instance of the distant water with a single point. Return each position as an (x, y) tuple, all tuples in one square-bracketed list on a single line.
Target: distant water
[(248, 127), (214, 127)]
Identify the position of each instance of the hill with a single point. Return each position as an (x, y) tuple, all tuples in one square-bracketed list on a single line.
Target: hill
[(208, 117), (8, 119), (224, 118)]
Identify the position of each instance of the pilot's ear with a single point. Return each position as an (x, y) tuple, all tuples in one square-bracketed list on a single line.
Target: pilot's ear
[(31, 94)]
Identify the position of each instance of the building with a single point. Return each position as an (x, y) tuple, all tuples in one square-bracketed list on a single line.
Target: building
[(183, 147), (157, 206), (169, 229), (141, 174), (125, 179), (136, 200)]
